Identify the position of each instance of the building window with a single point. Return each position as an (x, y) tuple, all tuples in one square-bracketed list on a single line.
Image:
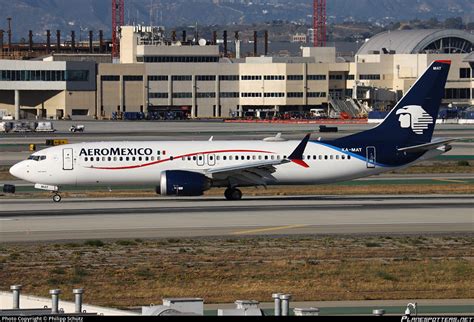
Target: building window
[(295, 94), (206, 95), (77, 75), (206, 78), (316, 77), (229, 94), (316, 94), (162, 78), (158, 95), (251, 77), (133, 78), (251, 94), (295, 77), (274, 77), (465, 73), (181, 78), (336, 77), (457, 93), (110, 78), (369, 77), (274, 94), (350, 77), (182, 95), (229, 77), (179, 59)]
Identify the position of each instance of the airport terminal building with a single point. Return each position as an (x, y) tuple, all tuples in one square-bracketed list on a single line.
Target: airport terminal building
[(158, 75)]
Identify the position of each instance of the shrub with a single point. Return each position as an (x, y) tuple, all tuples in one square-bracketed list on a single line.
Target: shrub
[(94, 243)]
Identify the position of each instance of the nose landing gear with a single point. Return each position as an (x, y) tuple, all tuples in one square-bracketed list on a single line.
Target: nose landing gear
[(57, 197)]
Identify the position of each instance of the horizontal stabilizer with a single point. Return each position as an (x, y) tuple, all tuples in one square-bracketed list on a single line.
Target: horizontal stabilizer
[(436, 143)]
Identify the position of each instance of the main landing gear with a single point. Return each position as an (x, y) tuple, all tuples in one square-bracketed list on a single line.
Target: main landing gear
[(56, 197), (233, 194)]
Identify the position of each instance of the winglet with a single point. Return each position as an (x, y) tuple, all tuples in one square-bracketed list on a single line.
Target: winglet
[(297, 155)]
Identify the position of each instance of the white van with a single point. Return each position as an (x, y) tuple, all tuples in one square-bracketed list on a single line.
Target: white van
[(318, 113)]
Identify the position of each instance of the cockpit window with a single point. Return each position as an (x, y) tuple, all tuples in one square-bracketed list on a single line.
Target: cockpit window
[(37, 157)]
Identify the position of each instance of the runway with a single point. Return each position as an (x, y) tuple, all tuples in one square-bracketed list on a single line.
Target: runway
[(79, 219)]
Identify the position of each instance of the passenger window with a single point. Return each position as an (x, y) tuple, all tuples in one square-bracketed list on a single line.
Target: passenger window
[(260, 157), (314, 157), (230, 157), (171, 158), (194, 158), (326, 157), (127, 159), (343, 157), (86, 159), (349, 157), (115, 158), (97, 159), (140, 158), (273, 157), (43, 157), (332, 157), (224, 158), (266, 157), (337, 157), (248, 157), (320, 157), (200, 158), (147, 159), (152, 158)]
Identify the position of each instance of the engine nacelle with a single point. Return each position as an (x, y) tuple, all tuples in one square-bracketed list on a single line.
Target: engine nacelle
[(183, 183)]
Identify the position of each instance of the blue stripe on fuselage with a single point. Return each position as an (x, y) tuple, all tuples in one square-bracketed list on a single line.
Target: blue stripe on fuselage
[(354, 155)]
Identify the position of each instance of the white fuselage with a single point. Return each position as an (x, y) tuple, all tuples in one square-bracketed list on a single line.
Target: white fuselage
[(141, 163)]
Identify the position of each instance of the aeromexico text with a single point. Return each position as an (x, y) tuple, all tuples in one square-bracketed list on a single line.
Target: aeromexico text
[(116, 152)]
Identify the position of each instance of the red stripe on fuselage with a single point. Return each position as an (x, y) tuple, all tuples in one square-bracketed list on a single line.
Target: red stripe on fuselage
[(179, 157)]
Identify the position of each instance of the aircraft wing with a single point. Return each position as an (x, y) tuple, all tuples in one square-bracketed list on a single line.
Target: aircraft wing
[(253, 173), (436, 143), (258, 173)]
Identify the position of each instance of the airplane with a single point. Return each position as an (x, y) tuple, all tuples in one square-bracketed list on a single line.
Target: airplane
[(191, 168)]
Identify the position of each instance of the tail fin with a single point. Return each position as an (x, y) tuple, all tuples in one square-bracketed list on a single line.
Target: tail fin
[(413, 119)]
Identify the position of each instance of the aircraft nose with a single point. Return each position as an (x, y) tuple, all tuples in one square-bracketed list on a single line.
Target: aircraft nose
[(17, 171)]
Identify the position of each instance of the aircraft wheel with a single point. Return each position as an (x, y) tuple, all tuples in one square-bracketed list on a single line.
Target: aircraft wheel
[(57, 198), (233, 194)]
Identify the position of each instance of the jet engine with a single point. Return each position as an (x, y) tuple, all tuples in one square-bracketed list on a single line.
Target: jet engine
[(183, 183)]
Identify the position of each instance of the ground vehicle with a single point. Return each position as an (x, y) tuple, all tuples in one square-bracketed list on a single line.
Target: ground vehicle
[(77, 128), (318, 113), (5, 127), (44, 127), (21, 127)]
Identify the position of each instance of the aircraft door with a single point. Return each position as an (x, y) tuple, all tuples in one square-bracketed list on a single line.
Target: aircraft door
[(371, 157), (211, 160), (200, 160), (68, 159)]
